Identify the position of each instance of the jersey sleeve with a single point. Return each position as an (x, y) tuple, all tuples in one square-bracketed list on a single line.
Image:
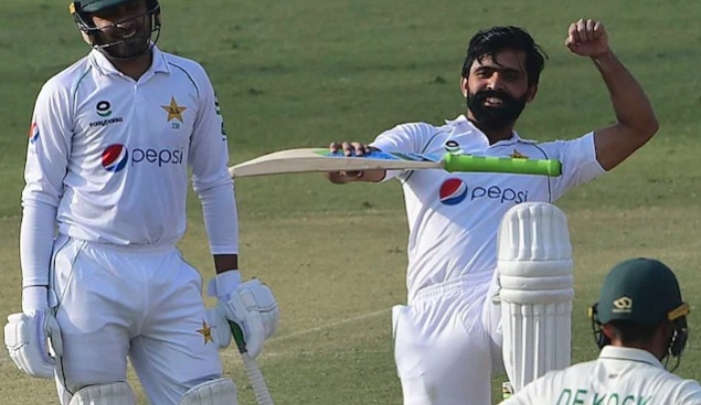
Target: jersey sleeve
[(579, 164), (689, 393), (50, 137), (519, 398), (209, 157), (404, 138), (48, 151), (538, 391)]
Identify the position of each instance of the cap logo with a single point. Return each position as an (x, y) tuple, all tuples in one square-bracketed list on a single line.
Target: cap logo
[(623, 304)]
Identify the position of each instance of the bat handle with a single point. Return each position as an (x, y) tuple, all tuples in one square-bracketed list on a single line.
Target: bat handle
[(238, 337), (255, 376), (469, 163)]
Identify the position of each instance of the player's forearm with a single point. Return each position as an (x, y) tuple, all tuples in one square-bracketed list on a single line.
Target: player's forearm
[(630, 103), (226, 262), (372, 176)]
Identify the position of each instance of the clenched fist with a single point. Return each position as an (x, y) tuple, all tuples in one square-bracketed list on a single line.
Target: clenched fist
[(587, 38)]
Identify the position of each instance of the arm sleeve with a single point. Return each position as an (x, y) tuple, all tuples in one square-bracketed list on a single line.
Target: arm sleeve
[(579, 164), (36, 242), (538, 391), (515, 399), (528, 395), (690, 393), (209, 157), (405, 138), (47, 159)]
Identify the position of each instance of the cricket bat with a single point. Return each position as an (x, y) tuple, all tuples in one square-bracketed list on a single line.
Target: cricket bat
[(307, 160)]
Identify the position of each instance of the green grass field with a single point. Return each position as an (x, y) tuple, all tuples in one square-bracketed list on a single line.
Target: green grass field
[(305, 73)]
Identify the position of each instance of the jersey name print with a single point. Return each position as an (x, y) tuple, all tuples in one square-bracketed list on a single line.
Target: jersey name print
[(589, 397)]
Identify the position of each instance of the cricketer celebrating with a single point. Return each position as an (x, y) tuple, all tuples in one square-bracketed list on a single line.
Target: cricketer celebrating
[(107, 166), (461, 314), (639, 321)]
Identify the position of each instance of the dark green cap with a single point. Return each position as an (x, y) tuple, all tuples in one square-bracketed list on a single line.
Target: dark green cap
[(640, 290)]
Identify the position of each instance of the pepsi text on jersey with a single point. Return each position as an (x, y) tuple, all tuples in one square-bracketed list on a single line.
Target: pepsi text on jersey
[(115, 157), (453, 191)]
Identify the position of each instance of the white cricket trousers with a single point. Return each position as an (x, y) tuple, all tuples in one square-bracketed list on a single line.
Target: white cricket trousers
[(142, 303), (446, 344)]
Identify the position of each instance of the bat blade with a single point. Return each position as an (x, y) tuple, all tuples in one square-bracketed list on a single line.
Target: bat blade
[(307, 160)]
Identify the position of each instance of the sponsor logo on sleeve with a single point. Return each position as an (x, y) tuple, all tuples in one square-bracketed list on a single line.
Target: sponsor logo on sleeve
[(33, 133)]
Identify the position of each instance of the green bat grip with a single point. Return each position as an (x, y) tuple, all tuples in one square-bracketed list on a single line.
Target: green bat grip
[(469, 163), (238, 337)]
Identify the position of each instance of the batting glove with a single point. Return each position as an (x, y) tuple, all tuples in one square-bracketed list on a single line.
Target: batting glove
[(250, 305), (29, 338), (221, 331)]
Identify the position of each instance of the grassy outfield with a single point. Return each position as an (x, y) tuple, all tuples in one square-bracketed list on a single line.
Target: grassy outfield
[(305, 73)]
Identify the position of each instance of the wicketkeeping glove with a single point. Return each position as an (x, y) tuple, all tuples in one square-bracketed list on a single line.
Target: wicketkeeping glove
[(250, 305), (27, 338)]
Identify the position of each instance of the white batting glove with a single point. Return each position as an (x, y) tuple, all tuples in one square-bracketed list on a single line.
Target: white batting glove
[(250, 305), (221, 331), (29, 338)]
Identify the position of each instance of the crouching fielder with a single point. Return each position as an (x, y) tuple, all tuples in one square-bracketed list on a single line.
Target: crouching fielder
[(535, 281), (639, 323), (111, 142)]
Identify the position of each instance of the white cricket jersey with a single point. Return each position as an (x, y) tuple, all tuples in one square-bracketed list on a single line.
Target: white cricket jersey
[(453, 217), (620, 376), (111, 153)]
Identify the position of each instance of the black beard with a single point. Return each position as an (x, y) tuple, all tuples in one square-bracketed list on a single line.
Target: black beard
[(129, 49), (495, 118)]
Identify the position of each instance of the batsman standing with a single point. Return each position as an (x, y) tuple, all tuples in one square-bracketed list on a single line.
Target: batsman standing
[(110, 143), (490, 268), (639, 322)]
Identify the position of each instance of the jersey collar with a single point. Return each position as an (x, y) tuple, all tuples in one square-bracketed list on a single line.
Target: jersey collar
[(105, 67), (628, 353), (463, 125)]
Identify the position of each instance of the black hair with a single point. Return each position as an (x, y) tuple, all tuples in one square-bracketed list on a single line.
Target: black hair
[(493, 40), (630, 332)]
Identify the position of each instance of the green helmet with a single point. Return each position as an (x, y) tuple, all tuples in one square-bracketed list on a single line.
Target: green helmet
[(82, 10), (93, 6), (643, 291)]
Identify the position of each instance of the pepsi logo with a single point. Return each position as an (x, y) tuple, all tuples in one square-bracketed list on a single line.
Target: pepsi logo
[(453, 191), (33, 132), (115, 158)]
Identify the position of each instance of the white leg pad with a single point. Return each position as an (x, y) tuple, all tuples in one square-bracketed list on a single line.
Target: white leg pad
[(119, 393), (536, 291), (221, 391)]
